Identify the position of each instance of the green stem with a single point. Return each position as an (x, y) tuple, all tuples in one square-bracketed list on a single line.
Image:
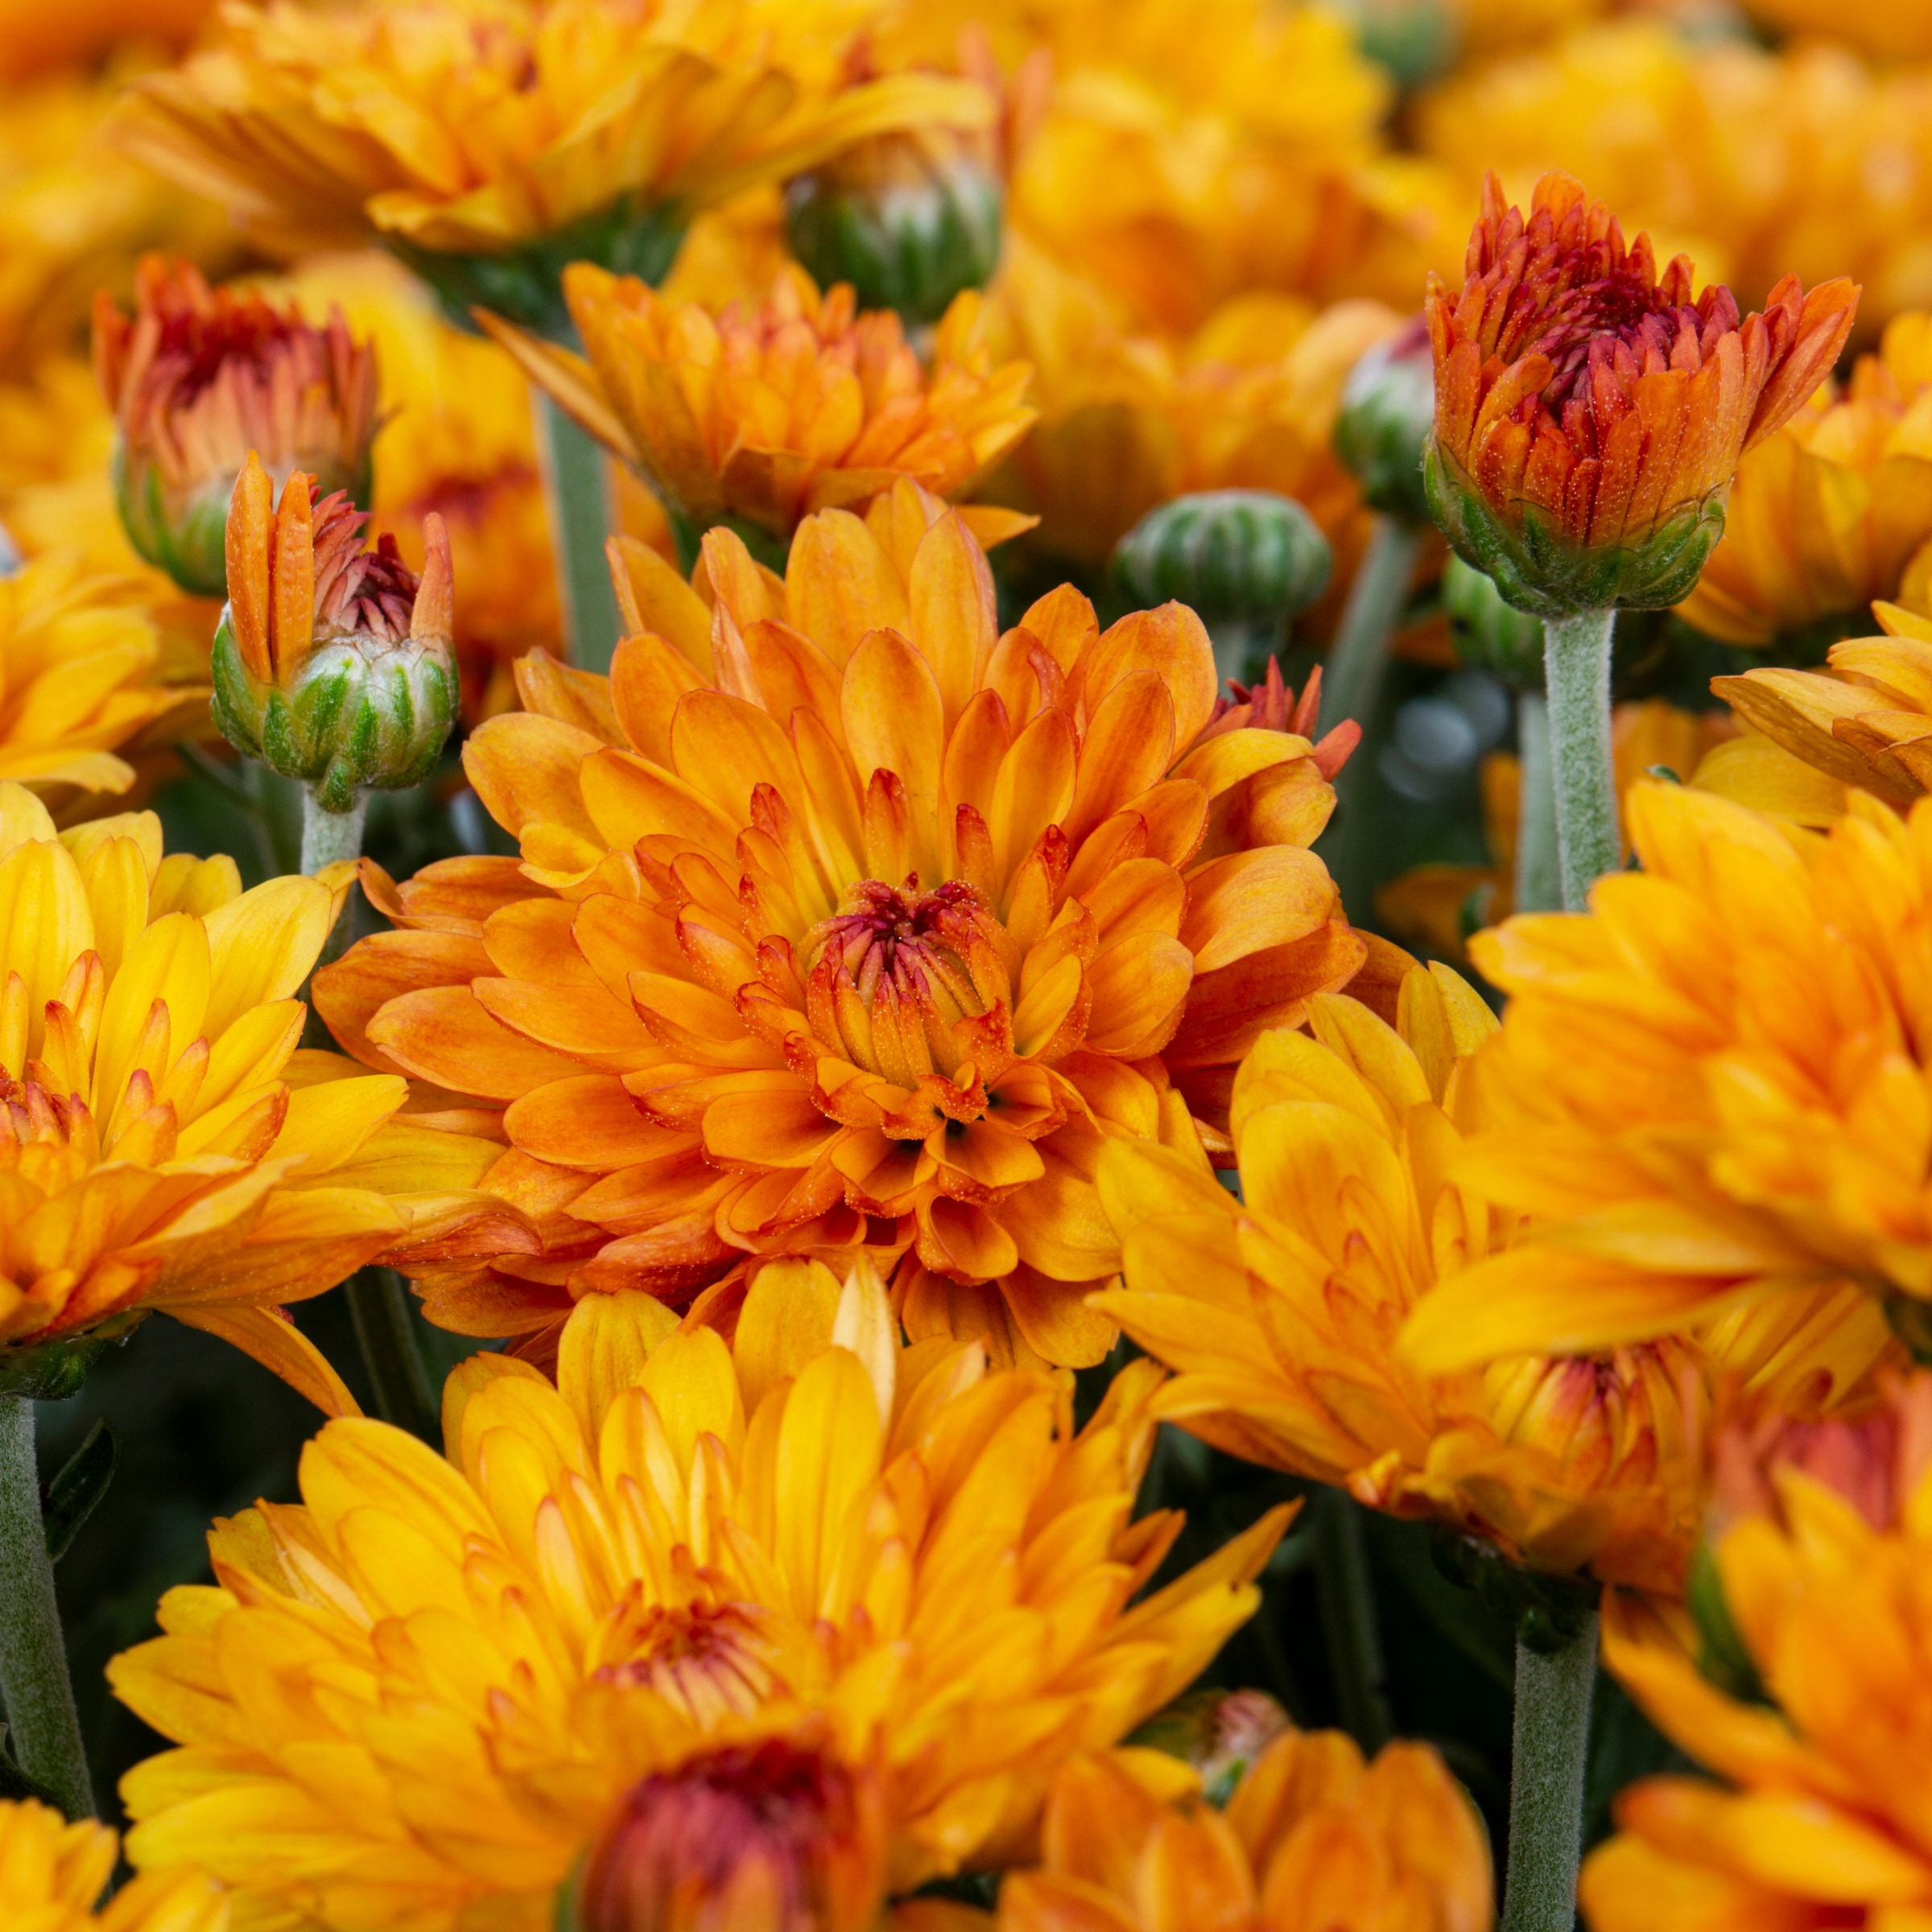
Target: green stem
[(379, 1304), (1352, 679), (327, 838), (1539, 881), (1348, 1619), (44, 1725), (577, 488), (1576, 660), (1550, 1744)]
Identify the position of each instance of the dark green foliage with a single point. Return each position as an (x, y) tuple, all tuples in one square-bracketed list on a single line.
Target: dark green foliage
[(76, 1490)]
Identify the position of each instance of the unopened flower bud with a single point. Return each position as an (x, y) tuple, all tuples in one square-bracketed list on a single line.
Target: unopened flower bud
[(1387, 405), (1220, 1733), (1231, 556), (332, 663), (768, 1837), (197, 378), (1490, 635), (909, 220)]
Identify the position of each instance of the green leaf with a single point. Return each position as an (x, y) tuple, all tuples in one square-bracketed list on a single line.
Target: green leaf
[(82, 1483)]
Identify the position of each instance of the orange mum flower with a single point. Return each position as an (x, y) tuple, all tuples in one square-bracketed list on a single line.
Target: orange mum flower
[(1312, 1836), (1589, 415), (770, 413), (844, 921)]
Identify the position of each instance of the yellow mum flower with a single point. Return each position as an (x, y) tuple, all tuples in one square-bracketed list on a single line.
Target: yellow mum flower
[(80, 681), (51, 1873), (1311, 1836), (1707, 1090), (842, 921), (166, 1146), (489, 142), (890, 1579), (1280, 1318), (1813, 1626), (1834, 511), (767, 413), (1901, 31)]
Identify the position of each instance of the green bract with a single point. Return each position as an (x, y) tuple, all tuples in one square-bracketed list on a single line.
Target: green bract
[(1232, 556), (910, 241), (1536, 570), (360, 714), (1491, 635), (630, 236), (1388, 409)]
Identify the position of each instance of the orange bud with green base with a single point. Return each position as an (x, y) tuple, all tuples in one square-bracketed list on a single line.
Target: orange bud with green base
[(1589, 415)]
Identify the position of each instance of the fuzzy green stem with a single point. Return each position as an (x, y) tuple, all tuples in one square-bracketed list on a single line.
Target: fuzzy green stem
[(327, 838), (1539, 881), (44, 1726), (1352, 679), (1549, 1748), (1348, 1619), (1576, 660), (379, 1304), (577, 491)]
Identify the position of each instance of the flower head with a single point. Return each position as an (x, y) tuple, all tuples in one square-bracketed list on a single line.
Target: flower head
[(163, 1144), (1312, 1836), (490, 144), (770, 413), (1808, 1708), (1706, 1089), (333, 664), (199, 378), (791, 1621), (1281, 1317), (1589, 415), (843, 920), (51, 1873), (80, 669), (1834, 511)]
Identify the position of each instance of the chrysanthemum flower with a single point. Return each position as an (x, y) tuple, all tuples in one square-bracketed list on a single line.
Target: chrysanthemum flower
[(81, 676), (1901, 32), (491, 144), (199, 378), (1809, 1704), (1834, 511), (1707, 1090), (691, 1577), (843, 920), (165, 1145), (1589, 415), (768, 413), (51, 1874), (1280, 1318), (1312, 1836)]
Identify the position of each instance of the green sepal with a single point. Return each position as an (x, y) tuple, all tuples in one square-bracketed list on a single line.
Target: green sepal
[(1550, 1609), (1231, 556), (1537, 570), (910, 245), (630, 236), (1721, 1655), (50, 1372), (78, 1486), (1490, 635)]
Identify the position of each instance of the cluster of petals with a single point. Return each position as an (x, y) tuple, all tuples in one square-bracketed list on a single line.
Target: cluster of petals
[(842, 921), (423, 1694), (1281, 1317), (52, 1872), (163, 1142), (1803, 1692), (771, 410), (1708, 1091), (1834, 511), (471, 128), (1312, 1836), (1581, 395)]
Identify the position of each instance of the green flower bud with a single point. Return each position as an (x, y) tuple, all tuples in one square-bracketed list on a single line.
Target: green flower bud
[(1491, 635), (1232, 556), (1388, 407), (910, 219)]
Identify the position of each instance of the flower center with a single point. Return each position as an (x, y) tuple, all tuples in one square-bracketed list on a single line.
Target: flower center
[(714, 1660), (358, 593), (892, 972)]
